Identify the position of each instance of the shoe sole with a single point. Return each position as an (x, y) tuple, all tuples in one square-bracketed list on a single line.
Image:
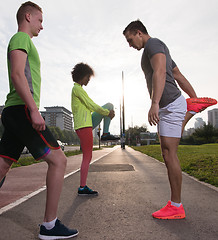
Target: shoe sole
[(42, 237), (178, 216), (202, 100), (82, 194)]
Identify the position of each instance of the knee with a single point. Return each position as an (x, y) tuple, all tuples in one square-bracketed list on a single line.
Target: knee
[(57, 159), (109, 106), (169, 156), (165, 155), (62, 163), (5, 165)]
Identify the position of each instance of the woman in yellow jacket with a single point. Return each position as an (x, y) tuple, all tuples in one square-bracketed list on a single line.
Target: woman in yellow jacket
[(85, 121)]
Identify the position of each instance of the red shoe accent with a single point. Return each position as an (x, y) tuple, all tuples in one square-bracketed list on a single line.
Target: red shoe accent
[(170, 212), (199, 104)]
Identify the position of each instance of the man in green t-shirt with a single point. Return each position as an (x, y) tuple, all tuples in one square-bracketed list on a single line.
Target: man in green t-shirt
[(23, 123)]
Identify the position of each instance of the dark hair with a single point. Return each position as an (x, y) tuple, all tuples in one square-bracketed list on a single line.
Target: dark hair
[(81, 70), (27, 7), (134, 26)]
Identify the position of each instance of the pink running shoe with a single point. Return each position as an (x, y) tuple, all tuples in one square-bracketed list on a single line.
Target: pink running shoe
[(170, 212), (199, 104)]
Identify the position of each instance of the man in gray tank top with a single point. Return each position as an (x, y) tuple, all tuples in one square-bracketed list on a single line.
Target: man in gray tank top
[(168, 107)]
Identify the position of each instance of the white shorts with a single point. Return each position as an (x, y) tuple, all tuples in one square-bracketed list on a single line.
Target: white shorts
[(172, 117)]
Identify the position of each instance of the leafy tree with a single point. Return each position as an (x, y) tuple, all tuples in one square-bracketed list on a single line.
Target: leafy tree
[(54, 132), (206, 134), (133, 134), (65, 136), (203, 135)]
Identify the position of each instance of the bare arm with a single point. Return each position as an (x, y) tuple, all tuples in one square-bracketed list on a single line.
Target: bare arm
[(158, 63), (18, 61), (183, 83)]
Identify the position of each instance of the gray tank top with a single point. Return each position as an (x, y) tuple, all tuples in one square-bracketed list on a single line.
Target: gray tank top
[(171, 92)]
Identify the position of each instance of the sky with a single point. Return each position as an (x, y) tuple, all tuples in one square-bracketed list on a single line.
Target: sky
[(90, 31)]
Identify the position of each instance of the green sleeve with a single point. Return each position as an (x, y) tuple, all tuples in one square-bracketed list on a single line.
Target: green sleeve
[(89, 103)]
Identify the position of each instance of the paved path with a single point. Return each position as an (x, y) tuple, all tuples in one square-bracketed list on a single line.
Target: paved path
[(131, 186)]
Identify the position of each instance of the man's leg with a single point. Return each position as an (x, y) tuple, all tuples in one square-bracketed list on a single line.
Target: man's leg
[(188, 116), (55, 175), (5, 165), (195, 105), (174, 209), (52, 228), (169, 128), (169, 146)]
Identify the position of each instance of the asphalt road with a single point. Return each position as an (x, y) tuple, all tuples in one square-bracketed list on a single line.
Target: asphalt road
[(131, 186)]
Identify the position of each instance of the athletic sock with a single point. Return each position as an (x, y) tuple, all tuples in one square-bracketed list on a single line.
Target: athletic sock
[(192, 112), (176, 204), (49, 225)]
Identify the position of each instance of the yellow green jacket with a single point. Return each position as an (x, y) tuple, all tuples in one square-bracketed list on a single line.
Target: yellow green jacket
[(82, 107)]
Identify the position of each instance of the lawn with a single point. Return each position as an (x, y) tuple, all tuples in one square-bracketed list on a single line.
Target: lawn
[(199, 161)]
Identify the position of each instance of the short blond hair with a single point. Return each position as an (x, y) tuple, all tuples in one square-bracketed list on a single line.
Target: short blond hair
[(27, 7)]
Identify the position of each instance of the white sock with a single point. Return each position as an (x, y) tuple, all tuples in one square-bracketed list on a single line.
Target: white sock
[(192, 112), (176, 204), (49, 225)]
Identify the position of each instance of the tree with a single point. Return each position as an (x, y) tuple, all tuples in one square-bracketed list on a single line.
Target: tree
[(203, 135), (64, 136), (133, 134), (206, 134)]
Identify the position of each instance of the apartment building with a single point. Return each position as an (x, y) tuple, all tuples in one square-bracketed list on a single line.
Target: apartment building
[(58, 117)]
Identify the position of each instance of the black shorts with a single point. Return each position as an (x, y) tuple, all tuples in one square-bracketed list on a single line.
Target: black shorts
[(18, 133)]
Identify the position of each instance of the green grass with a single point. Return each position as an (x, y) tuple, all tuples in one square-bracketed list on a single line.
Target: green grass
[(25, 161), (199, 161)]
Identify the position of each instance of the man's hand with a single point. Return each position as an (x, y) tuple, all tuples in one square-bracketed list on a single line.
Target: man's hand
[(153, 114), (111, 114), (38, 122)]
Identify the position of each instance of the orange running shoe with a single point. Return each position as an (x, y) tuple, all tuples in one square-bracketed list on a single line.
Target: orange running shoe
[(199, 104), (170, 212)]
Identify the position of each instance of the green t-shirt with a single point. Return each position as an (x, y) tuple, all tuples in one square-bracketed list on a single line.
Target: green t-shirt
[(23, 41)]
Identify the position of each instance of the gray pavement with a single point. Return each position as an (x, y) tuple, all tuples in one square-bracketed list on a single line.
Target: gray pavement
[(131, 186)]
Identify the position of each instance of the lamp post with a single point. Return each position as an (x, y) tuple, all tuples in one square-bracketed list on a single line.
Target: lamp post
[(123, 115)]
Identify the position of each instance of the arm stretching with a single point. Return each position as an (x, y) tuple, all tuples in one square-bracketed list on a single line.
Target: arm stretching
[(184, 83)]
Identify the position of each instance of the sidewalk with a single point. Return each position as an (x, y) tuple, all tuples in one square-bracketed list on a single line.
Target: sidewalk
[(30, 180), (131, 187)]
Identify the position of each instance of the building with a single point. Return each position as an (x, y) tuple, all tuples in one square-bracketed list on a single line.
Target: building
[(58, 117), (188, 132), (213, 117), (199, 122)]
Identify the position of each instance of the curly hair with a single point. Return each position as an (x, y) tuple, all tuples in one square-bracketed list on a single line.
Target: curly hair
[(81, 70)]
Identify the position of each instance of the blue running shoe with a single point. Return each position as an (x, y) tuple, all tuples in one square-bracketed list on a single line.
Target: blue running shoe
[(109, 137), (59, 231), (87, 191)]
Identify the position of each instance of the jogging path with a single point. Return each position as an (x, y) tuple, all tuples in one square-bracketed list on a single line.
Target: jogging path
[(131, 187)]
